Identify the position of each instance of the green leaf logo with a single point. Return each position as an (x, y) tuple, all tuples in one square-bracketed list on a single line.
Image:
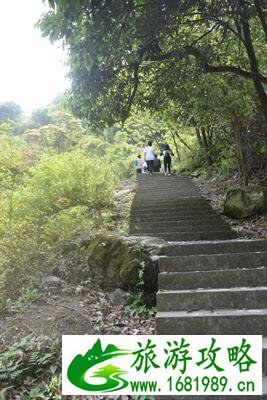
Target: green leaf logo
[(112, 374)]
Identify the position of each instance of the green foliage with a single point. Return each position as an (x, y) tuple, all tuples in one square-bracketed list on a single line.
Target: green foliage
[(166, 45), (9, 111), (192, 160), (41, 117), (24, 361), (30, 296), (181, 65), (138, 306), (53, 189)]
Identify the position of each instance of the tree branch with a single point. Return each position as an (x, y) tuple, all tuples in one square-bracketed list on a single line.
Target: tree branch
[(133, 92), (235, 70)]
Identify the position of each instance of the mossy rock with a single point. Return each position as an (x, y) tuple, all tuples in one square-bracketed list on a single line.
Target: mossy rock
[(114, 261), (244, 202)]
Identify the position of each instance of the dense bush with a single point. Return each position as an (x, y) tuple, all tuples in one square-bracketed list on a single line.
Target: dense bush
[(51, 199)]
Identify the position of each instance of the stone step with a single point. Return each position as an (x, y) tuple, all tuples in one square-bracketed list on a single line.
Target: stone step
[(165, 215), (215, 247), (179, 223), (181, 217), (182, 189), (182, 202), (179, 228), (168, 192), (210, 299), (212, 262), (166, 200), (172, 207), (160, 183), (216, 322), (161, 177), (194, 236), (174, 197), (169, 209), (157, 188), (264, 356), (213, 279), (145, 186), (165, 191), (203, 218)]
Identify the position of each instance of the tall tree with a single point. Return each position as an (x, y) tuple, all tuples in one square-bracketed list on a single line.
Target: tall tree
[(9, 111), (120, 50)]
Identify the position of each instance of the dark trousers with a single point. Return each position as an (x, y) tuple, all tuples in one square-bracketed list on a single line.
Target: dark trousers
[(167, 164), (150, 165)]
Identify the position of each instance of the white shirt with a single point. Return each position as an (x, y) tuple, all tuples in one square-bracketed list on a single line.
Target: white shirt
[(149, 151), (139, 163)]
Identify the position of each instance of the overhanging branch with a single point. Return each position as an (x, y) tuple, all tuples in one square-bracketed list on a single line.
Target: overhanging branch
[(234, 70)]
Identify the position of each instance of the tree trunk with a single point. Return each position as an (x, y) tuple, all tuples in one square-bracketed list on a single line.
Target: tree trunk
[(261, 16), (209, 135), (182, 141), (251, 56), (199, 139), (240, 153), (203, 146), (206, 147), (176, 147)]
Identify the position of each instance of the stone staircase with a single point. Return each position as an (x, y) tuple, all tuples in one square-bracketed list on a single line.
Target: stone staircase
[(210, 282)]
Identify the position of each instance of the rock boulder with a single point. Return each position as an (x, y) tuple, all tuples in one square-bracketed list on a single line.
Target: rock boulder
[(244, 202), (114, 262)]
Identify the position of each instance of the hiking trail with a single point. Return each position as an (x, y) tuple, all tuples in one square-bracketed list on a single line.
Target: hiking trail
[(210, 281)]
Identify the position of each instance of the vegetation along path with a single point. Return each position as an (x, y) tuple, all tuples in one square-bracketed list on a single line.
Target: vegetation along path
[(210, 282)]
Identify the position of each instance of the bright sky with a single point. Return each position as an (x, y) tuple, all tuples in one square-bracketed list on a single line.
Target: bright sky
[(32, 70)]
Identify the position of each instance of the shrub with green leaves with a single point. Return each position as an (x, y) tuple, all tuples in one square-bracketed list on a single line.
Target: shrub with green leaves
[(56, 200)]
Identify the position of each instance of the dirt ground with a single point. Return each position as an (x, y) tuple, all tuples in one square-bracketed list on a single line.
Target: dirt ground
[(90, 313)]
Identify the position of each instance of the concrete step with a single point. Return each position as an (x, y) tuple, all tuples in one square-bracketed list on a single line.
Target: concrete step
[(264, 356), (179, 223), (194, 236), (162, 184), (216, 322), (210, 299), (194, 202), (164, 214), (182, 189), (166, 181), (181, 202), (150, 194), (204, 217), (171, 207), (215, 247), (169, 229), (189, 211), (213, 262), (147, 204), (213, 279)]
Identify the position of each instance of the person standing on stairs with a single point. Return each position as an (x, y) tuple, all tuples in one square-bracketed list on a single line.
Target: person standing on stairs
[(149, 157), (138, 164), (167, 159), (156, 164)]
